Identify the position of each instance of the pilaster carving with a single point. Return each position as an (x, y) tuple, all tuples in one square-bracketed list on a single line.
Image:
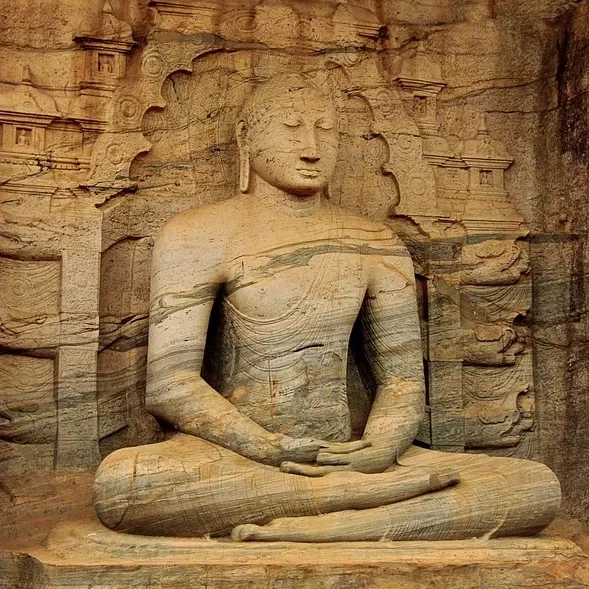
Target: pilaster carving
[(476, 281)]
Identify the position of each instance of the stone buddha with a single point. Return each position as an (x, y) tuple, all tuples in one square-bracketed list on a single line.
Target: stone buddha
[(263, 446)]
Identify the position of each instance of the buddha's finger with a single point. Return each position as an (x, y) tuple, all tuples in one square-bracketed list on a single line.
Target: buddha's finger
[(327, 458), (310, 470), (346, 447)]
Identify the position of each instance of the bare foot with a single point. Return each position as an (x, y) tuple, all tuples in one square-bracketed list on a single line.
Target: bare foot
[(244, 533)]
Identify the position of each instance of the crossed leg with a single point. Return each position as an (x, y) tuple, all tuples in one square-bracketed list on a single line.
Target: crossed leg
[(188, 487), (495, 497)]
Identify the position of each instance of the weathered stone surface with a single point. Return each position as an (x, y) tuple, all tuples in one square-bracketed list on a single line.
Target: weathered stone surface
[(254, 301), (85, 555), (463, 128)]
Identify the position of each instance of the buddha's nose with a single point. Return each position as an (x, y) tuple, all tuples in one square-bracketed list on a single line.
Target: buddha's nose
[(309, 152)]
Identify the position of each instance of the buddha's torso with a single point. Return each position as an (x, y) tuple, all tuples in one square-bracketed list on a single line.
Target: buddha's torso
[(293, 292)]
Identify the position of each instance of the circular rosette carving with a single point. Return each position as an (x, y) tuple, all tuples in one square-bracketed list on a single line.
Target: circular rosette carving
[(128, 112), (17, 290), (153, 65), (384, 101), (238, 25), (376, 151), (115, 154), (418, 185)]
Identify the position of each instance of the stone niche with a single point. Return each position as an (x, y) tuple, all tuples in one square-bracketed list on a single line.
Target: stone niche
[(124, 114)]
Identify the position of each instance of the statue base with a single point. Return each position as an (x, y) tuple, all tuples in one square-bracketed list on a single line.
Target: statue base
[(83, 554)]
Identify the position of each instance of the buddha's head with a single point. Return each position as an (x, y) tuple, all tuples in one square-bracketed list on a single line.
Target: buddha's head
[(287, 135)]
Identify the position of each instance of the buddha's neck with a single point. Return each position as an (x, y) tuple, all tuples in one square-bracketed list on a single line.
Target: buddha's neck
[(284, 202)]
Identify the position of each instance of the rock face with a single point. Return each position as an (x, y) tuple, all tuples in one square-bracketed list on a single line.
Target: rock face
[(463, 129)]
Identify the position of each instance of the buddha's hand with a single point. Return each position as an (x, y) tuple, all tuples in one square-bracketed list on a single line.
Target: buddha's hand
[(306, 451), (359, 456)]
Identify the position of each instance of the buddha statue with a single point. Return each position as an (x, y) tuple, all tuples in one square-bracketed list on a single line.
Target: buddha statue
[(262, 446)]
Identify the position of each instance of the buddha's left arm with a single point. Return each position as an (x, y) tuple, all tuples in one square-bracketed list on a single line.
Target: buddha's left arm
[(392, 347), (391, 341)]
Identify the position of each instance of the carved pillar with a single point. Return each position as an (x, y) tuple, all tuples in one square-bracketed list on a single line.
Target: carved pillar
[(49, 284), (476, 294)]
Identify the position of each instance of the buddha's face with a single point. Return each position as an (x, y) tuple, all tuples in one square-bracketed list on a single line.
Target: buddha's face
[(293, 141)]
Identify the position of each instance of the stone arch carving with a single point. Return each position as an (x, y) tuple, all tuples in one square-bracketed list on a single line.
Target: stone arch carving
[(123, 140), (415, 177)]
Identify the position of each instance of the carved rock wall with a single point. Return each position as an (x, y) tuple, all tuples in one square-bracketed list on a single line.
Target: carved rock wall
[(560, 251), (463, 127)]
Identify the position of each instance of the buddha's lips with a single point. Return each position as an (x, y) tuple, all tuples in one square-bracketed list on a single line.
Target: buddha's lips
[(310, 173)]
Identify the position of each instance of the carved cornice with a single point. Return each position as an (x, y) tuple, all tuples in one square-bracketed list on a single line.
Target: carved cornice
[(45, 161), (115, 45), (254, 21)]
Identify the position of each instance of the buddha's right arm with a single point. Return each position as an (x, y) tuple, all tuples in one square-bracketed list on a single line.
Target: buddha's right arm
[(187, 273), (183, 399)]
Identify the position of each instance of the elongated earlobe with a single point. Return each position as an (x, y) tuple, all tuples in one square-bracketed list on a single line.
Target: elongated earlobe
[(244, 172), (244, 157)]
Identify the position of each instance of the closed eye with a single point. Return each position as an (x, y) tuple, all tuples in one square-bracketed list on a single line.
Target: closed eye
[(324, 124), (291, 123)]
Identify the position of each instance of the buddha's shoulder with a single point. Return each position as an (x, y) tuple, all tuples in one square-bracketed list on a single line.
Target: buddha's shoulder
[(203, 222), (366, 229)]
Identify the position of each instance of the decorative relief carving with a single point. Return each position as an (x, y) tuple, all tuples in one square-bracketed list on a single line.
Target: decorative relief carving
[(24, 136), (476, 280), (402, 153), (25, 114), (493, 262), (27, 400), (420, 79), (107, 43), (492, 345), (409, 154), (413, 175), (499, 407), (46, 305), (279, 320), (465, 235), (116, 148), (299, 23), (29, 303)]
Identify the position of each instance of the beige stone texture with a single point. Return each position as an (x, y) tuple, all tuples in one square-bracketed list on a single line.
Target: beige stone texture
[(253, 304), (462, 131), (88, 551)]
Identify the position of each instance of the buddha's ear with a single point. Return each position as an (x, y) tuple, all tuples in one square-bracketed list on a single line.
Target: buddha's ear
[(327, 191), (244, 156)]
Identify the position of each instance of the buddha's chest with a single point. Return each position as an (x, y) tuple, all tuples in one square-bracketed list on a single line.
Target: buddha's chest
[(314, 281)]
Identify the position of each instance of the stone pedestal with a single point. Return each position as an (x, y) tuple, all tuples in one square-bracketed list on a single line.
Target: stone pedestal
[(84, 555)]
